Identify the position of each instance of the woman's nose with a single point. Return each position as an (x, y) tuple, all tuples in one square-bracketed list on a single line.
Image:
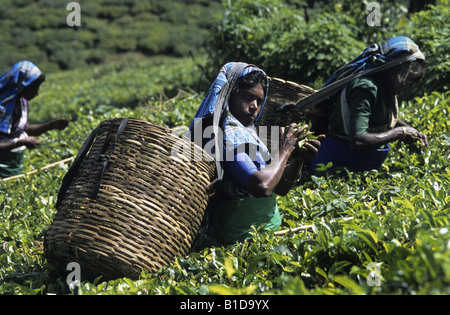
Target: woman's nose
[(254, 105)]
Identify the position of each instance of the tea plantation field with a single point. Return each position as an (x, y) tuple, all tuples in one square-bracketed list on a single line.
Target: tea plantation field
[(378, 232)]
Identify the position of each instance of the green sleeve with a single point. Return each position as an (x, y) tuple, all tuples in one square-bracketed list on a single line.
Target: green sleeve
[(361, 98)]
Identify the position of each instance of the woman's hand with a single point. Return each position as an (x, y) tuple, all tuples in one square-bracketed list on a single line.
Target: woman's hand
[(289, 139), (309, 149), (411, 135), (296, 142), (60, 123), (29, 142)]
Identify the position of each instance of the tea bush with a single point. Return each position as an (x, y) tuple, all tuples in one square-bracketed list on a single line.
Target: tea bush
[(431, 33), (308, 47), (378, 232)]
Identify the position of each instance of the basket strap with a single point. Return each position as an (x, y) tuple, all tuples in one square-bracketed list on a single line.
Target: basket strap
[(70, 175), (82, 152), (329, 90), (105, 167)]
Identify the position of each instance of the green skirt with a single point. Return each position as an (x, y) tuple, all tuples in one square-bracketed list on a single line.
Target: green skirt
[(11, 163), (232, 220)]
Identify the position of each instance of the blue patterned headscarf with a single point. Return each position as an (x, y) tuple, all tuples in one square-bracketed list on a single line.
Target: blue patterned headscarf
[(12, 83), (379, 54), (209, 102), (213, 96)]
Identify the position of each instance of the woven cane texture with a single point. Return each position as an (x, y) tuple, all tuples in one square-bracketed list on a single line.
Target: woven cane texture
[(284, 95), (147, 211)]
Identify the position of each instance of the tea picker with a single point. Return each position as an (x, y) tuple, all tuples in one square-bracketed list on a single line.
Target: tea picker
[(357, 107)]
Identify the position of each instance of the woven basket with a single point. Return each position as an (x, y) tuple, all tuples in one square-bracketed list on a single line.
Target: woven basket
[(144, 212), (280, 108)]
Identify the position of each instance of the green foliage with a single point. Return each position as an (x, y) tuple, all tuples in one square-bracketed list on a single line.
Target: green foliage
[(308, 45), (431, 33), (277, 38), (126, 84), (399, 215), (396, 219)]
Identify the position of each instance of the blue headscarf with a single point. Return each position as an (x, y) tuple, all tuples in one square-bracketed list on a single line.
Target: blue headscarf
[(12, 83), (379, 54), (209, 102)]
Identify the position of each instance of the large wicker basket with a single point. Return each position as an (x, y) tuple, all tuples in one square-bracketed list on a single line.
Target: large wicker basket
[(280, 109), (130, 204)]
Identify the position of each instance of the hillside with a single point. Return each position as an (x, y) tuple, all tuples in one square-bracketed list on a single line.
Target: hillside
[(37, 30)]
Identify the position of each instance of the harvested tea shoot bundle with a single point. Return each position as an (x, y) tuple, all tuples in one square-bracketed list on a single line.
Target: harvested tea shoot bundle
[(307, 143), (309, 135)]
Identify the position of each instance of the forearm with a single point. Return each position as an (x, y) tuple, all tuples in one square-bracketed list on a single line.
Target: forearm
[(263, 182), (293, 171), (371, 141), (290, 176), (29, 142), (7, 146), (279, 177), (401, 123), (37, 130)]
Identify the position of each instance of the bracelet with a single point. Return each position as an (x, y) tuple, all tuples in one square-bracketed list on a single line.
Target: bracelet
[(292, 181), (404, 133)]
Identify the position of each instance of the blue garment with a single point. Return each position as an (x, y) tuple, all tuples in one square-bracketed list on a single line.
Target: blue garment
[(339, 153), (12, 83), (241, 160)]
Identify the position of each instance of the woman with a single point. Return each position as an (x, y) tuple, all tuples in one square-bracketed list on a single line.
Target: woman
[(19, 85), (365, 117), (249, 173)]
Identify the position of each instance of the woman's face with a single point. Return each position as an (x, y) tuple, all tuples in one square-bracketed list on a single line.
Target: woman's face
[(405, 77), (246, 104), (31, 91)]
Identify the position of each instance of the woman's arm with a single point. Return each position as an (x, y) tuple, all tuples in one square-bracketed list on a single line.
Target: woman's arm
[(37, 130), (29, 142), (293, 170), (370, 141), (277, 176)]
